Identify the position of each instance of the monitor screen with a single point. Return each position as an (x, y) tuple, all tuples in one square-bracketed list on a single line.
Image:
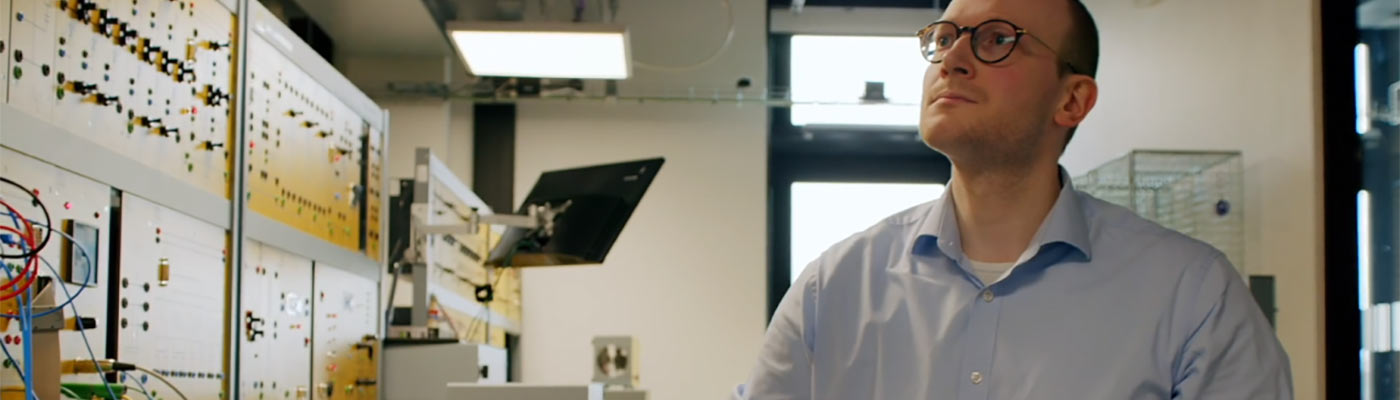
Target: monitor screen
[(601, 200)]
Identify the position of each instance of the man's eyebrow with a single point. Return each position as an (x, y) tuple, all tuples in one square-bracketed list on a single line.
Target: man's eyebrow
[(994, 16)]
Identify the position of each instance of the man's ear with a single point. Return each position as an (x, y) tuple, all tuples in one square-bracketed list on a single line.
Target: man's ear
[(1080, 94)]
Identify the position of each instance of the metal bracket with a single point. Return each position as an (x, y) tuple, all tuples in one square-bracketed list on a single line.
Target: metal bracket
[(48, 323), (539, 217)]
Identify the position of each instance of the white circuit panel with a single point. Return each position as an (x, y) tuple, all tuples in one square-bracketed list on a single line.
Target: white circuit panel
[(5, 48), (149, 79), (345, 316), (67, 197), (175, 325), (275, 356)]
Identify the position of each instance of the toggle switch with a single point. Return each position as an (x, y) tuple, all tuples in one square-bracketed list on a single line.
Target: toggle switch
[(171, 66), (166, 131), (82, 10), (105, 22), (81, 87), (148, 51), (336, 154), (124, 35), (214, 96), (147, 122), (209, 145), (185, 73), (251, 327), (105, 100), (215, 46)]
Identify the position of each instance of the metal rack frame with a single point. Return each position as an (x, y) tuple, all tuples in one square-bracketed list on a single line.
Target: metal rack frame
[(431, 176)]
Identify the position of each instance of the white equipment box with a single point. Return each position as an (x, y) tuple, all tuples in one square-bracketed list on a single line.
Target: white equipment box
[(516, 391), (625, 394), (421, 370)]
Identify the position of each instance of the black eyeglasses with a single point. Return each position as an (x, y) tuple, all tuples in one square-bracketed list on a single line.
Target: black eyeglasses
[(992, 41)]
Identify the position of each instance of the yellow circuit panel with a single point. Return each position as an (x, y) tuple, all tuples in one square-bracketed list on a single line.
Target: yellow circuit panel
[(356, 372), (374, 182), (463, 257), (345, 349), (149, 79), (303, 150)]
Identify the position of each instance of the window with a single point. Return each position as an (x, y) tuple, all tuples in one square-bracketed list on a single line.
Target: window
[(830, 135), (829, 73), (825, 213)]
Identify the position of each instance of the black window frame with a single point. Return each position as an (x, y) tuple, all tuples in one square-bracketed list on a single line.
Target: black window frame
[(1341, 174), (849, 154)]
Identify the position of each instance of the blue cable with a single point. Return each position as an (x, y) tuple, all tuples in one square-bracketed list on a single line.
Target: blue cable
[(27, 313), (26, 321), (83, 333), (6, 349), (92, 270), (26, 327), (138, 384)]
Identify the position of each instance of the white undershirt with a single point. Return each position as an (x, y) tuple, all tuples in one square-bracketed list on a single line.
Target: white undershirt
[(989, 273)]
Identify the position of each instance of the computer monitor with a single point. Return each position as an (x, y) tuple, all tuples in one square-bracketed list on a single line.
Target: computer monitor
[(601, 199)]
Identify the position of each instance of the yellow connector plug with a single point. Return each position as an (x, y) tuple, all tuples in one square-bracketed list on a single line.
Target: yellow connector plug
[(13, 393), (86, 366), (79, 324)]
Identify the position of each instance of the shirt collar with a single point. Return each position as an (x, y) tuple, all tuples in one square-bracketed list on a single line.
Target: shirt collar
[(1065, 223)]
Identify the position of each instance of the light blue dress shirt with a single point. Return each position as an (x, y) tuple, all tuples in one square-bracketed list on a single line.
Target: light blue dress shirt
[(1102, 305)]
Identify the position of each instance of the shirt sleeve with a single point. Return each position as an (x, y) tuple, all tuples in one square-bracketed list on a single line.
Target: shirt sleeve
[(1231, 351), (784, 369)]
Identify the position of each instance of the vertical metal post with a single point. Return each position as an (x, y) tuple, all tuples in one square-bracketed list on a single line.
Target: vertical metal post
[(238, 201)]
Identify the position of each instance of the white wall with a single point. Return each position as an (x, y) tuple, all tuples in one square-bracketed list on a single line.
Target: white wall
[(688, 275), (1227, 75), (414, 121)]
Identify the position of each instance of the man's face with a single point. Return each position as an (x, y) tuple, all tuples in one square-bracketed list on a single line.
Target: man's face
[(995, 112)]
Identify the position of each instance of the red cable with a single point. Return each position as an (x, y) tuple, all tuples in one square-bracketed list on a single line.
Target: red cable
[(28, 275), (29, 239), (31, 270)]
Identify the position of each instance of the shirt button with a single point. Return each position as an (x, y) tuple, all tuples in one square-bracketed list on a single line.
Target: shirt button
[(976, 378), (987, 295)]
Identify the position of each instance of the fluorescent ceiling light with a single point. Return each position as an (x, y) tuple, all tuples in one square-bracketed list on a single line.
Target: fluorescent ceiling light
[(543, 50)]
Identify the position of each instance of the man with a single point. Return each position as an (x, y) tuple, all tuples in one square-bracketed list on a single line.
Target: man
[(1014, 285)]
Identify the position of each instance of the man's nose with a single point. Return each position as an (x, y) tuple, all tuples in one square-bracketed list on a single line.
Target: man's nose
[(959, 59)]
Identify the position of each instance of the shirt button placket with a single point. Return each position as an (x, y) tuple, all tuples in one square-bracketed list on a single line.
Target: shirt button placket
[(980, 345)]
